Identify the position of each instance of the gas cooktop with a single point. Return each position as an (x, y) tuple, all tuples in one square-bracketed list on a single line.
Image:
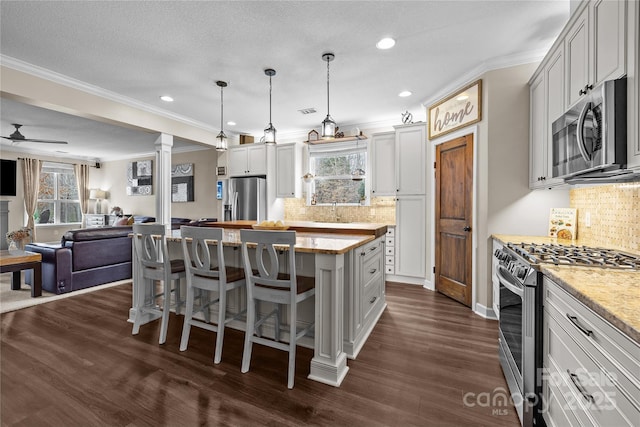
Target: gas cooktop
[(552, 253)]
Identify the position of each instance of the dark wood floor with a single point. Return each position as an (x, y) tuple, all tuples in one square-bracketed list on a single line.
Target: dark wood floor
[(74, 362)]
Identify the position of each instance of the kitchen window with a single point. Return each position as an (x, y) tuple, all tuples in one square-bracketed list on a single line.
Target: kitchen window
[(332, 166), (58, 201)]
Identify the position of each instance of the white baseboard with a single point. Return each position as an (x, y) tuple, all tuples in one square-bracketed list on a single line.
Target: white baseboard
[(485, 312)]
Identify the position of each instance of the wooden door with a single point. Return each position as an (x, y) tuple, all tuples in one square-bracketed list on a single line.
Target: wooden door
[(453, 217)]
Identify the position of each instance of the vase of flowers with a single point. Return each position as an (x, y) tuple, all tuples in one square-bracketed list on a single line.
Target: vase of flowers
[(17, 238)]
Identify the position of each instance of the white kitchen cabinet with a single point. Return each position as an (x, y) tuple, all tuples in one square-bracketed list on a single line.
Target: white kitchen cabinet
[(546, 105), (288, 170), (591, 369), (577, 49), (410, 149), (364, 295), (390, 251), (383, 164), (633, 86), (410, 238), (248, 160), (595, 45)]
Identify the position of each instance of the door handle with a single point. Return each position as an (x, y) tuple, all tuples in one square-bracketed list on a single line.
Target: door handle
[(467, 228)]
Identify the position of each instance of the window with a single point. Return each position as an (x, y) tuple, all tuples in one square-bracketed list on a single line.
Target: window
[(333, 166), (58, 201)]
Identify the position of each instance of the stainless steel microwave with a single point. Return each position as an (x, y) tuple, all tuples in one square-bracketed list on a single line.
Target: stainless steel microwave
[(591, 138)]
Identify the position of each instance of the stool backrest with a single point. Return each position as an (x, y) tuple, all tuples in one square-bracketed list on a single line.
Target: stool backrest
[(150, 244), (200, 256), (268, 270)]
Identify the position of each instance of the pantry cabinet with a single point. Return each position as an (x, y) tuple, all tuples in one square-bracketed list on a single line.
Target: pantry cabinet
[(288, 170), (410, 239), (383, 164), (248, 160), (410, 151)]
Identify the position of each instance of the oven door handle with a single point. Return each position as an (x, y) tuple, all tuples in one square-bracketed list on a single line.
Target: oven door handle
[(508, 283)]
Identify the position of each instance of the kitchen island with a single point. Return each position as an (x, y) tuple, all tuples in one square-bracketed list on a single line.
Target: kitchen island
[(349, 299)]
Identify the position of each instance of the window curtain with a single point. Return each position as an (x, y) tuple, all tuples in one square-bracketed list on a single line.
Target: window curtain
[(82, 179), (31, 181)]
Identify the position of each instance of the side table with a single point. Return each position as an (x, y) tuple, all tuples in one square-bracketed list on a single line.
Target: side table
[(16, 261)]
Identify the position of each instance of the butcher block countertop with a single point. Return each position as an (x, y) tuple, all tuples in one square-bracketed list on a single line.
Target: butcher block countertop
[(316, 243), (362, 228), (612, 293)]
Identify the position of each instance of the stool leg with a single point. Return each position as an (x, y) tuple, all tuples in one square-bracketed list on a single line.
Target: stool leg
[(292, 347), (166, 308), (222, 314), (188, 315), (248, 335)]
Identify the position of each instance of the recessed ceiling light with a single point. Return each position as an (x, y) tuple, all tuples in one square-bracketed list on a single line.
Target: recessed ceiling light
[(386, 43), (231, 123), (166, 98), (404, 93)]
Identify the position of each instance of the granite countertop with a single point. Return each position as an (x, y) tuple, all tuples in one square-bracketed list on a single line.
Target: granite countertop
[(317, 243), (612, 293), (361, 228)]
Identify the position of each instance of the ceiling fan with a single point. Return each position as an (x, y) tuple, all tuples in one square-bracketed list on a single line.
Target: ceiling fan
[(17, 137)]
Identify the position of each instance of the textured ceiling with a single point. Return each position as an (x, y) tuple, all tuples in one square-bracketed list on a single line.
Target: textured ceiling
[(143, 49)]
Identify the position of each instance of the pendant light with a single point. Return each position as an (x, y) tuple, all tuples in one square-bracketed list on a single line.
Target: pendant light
[(328, 125), (221, 143), (270, 131)]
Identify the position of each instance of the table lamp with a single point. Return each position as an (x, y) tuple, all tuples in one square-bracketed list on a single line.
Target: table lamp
[(97, 195)]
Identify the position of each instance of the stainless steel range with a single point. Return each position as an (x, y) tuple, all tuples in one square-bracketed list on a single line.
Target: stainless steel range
[(520, 336)]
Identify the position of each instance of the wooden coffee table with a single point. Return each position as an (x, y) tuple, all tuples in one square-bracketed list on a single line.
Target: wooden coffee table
[(16, 261)]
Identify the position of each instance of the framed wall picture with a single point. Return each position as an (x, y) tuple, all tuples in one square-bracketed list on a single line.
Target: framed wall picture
[(462, 108), (182, 183), (140, 178)]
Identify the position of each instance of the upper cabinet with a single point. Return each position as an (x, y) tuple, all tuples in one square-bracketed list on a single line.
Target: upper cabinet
[(410, 165), (248, 160), (599, 43), (595, 46), (288, 170), (633, 86), (383, 166)]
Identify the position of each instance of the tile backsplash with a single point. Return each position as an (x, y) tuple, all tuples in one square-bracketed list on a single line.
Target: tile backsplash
[(382, 211), (614, 212)]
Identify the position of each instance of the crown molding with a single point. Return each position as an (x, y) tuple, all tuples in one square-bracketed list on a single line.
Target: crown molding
[(61, 79), (486, 66)]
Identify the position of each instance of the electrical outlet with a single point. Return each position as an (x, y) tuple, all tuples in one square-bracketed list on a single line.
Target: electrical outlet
[(587, 219)]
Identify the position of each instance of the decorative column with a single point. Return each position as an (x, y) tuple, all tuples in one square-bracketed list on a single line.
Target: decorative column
[(329, 363), (163, 144)]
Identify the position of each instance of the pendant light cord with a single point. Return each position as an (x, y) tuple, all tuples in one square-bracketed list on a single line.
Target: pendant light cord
[(328, 60), (270, 100), (221, 108)]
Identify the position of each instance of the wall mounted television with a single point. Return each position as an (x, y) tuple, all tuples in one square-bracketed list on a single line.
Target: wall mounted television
[(8, 172)]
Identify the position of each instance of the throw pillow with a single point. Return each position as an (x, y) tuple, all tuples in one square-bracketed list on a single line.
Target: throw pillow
[(130, 221)]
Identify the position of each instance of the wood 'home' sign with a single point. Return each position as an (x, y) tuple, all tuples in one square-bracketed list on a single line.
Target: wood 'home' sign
[(461, 109)]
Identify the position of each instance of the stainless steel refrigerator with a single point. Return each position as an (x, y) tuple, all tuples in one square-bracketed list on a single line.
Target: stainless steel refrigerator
[(244, 199)]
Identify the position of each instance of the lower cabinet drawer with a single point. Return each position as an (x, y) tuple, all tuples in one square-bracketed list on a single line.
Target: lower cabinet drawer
[(554, 408), (389, 250), (390, 269), (371, 267), (389, 260), (372, 294), (590, 393), (390, 241)]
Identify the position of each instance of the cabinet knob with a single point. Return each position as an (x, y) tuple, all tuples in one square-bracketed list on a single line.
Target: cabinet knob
[(582, 92), (467, 228)]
